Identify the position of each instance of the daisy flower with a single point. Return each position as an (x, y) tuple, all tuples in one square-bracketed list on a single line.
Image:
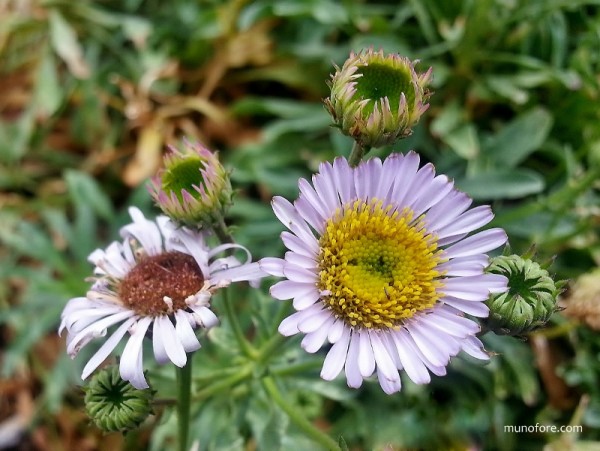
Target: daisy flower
[(381, 265), (159, 279)]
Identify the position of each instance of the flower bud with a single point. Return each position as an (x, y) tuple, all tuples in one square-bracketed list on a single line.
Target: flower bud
[(114, 404), (377, 99), (193, 188), (583, 302), (530, 300)]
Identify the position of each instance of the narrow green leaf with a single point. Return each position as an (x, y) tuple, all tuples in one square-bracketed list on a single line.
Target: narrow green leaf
[(520, 138), (503, 184)]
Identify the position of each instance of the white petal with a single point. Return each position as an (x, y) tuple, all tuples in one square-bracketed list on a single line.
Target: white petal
[(468, 221), (383, 359), (310, 215), (423, 177), (474, 347), (456, 326), (353, 376), (336, 331), (477, 244), (325, 188), (295, 244), (301, 260), (131, 367), (474, 288), (305, 300), (315, 321), (144, 231), (193, 243), (404, 177), (366, 359), (185, 332), (307, 192), (436, 191), (158, 345), (413, 365), (108, 346), (389, 386), (287, 289), (250, 272), (298, 274), (336, 357), (290, 218), (168, 337), (94, 330), (313, 341), (478, 309), (465, 266), (272, 266), (289, 326), (205, 317), (443, 213), (429, 349), (344, 180), (366, 179)]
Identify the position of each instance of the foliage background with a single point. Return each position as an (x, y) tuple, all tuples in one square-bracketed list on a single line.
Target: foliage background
[(91, 92)]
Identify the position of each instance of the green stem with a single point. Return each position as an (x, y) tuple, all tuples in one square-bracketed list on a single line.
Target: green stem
[(222, 231), (245, 345), (271, 345), (224, 384), (358, 152), (300, 421), (298, 368), (184, 386)]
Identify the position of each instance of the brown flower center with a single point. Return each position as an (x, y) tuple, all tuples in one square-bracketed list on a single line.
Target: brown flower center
[(158, 280)]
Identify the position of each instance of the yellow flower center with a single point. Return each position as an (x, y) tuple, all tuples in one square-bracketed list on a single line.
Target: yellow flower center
[(377, 265)]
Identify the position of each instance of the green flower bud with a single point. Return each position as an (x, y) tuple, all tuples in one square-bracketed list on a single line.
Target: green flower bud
[(193, 188), (377, 99), (114, 404), (530, 300)]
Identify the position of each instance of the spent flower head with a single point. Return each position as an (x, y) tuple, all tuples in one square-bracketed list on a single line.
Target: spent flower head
[(384, 264), (377, 98), (193, 188), (530, 300), (583, 301), (114, 404), (157, 282)]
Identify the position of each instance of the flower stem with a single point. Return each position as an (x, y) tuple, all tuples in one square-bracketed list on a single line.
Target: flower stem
[(358, 152), (222, 231), (236, 327), (300, 421), (224, 384), (184, 386)]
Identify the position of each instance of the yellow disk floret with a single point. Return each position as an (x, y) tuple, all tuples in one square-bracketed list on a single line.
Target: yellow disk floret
[(377, 265)]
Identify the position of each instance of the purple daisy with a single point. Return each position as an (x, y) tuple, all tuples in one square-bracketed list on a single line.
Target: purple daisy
[(382, 265)]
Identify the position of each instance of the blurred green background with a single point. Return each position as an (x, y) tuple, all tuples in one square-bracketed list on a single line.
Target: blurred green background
[(91, 92)]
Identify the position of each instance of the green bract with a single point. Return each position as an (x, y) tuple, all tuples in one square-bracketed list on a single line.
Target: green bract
[(114, 404), (530, 300), (376, 98)]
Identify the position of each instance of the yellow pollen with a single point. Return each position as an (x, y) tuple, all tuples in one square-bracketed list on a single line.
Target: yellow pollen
[(378, 265)]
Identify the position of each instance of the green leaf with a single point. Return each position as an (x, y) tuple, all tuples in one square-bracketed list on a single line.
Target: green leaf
[(502, 184), (520, 138), (464, 141), (48, 93)]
